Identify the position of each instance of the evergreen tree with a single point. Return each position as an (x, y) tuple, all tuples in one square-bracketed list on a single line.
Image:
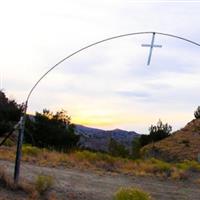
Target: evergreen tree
[(10, 113), (49, 130), (159, 131), (117, 149), (136, 146), (156, 132), (197, 113)]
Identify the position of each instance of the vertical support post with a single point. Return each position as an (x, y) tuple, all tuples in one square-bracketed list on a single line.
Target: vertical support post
[(151, 49), (19, 146)]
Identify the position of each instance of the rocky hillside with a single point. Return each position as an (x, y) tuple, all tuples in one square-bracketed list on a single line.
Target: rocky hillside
[(183, 144), (98, 139)]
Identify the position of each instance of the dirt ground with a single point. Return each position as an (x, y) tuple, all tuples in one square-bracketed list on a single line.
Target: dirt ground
[(74, 184)]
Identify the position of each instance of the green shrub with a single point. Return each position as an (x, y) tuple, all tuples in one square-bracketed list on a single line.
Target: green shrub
[(117, 149), (161, 165), (179, 174), (197, 113), (43, 183), (156, 132), (189, 165), (51, 130), (93, 157), (136, 146), (10, 112), (131, 194), (31, 151), (9, 143)]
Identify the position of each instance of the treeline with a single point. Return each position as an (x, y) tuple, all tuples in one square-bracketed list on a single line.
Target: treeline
[(55, 130), (10, 113), (156, 132), (51, 130), (46, 129)]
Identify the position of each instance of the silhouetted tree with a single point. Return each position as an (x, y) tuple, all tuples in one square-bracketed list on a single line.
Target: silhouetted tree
[(51, 130), (136, 146), (197, 113), (117, 149), (10, 113), (159, 131), (145, 139), (156, 132)]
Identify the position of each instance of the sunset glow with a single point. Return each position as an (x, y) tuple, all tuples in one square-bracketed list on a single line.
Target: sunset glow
[(107, 86)]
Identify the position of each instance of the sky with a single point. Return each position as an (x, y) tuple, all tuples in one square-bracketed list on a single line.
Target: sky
[(109, 85)]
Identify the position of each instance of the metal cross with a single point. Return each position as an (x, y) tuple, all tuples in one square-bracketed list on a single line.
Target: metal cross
[(151, 47)]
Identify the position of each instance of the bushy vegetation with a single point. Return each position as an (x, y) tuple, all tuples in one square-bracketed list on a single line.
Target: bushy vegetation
[(31, 150), (197, 113), (9, 143), (104, 162), (49, 130), (189, 165), (10, 113), (117, 149), (43, 183), (156, 132), (32, 190), (136, 146), (6, 181), (131, 194)]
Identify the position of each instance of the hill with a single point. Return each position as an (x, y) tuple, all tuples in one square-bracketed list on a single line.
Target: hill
[(98, 139), (183, 144)]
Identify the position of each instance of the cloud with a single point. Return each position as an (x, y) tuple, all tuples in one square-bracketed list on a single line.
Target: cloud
[(133, 94), (111, 76)]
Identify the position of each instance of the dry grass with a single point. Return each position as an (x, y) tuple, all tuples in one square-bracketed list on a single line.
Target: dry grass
[(197, 181), (101, 162), (132, 194), (32, 191), (43, 183), (7, 182)]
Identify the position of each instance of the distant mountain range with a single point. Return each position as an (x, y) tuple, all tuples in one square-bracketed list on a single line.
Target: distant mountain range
[(98, 139)]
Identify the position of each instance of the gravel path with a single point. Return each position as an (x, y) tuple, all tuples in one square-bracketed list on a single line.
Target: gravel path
[(74, 184)]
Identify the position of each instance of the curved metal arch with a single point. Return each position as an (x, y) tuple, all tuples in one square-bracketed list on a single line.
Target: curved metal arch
[(23, 118), (98, 42)]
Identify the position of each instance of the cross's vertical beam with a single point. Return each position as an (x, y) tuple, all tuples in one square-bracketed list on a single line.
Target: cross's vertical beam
[(151, 49)]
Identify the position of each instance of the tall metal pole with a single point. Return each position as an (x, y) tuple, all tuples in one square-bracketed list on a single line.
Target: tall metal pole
[(19, 146)]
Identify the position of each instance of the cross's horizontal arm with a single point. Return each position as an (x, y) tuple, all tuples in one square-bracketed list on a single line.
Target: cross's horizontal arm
[(148, 45)]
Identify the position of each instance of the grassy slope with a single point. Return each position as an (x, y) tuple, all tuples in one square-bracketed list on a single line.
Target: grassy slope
[(181, 145), (100, 162)]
